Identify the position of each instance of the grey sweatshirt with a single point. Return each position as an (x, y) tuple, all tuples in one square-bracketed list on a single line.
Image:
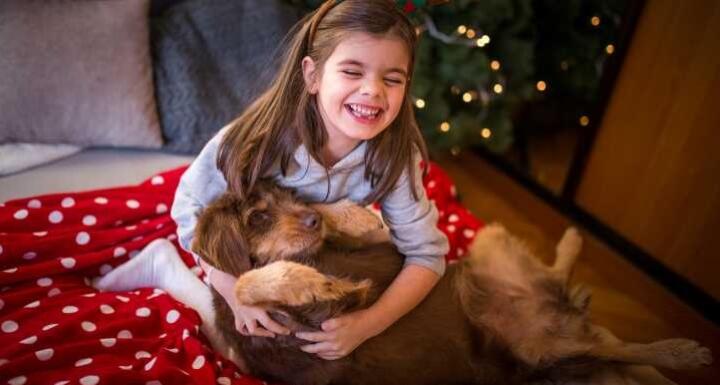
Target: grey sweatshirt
[(412, 224)]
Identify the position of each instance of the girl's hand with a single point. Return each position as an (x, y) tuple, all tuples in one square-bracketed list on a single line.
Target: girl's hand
[(254, 321), (340, 336)]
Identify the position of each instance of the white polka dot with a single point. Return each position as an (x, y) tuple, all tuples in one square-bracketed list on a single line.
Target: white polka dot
[(223, 381), (44, 355), (161, 208), (2, 304), (89, 295), (68, 263), (48, 327), (122, 298), (55, 217), (106, 309), (173, 350), (142, 312), (104, 269), (40, 233), (125, 367), (172, 237), (21, 214), (161, 336), (132, 203), (431, 184), (82, 238), (198, 362), (64, 382), (53, 292), (119, 252), (3, 361), (451, 228), (89, 380), (108, 342), (138, 238), (19, 380), (159, 226), (29, 255), (29, 341), (88, 326), (172, 316), (67, 202), (9, 326), (44, 282), (140, 354), (83, 362), (124, 334), (185, 334), (459, 252), (70, 309), (1, 249), (150, 364), (89, 220), (34, 204), (32, 305), (453, 190), (157, 180), (130, 228), (453, 218), (101, 200), (468, 233)]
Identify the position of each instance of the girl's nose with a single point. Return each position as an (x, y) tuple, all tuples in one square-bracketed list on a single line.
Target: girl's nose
[(371, 87)]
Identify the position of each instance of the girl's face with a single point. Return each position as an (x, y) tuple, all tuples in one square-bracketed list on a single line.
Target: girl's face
[(361, 87)]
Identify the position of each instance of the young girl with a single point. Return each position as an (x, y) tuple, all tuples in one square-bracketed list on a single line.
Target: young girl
[(337, 122)]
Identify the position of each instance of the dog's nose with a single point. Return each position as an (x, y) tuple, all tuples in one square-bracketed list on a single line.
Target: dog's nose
[(311, 220)]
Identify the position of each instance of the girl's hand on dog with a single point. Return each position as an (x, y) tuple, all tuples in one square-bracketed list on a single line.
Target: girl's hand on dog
[(254, 321), (340, 336)]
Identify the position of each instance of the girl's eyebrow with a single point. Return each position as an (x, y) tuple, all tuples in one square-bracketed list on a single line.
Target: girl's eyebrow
[(360, 64)]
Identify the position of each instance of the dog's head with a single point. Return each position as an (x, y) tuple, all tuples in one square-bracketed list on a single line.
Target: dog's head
[(270, 225)]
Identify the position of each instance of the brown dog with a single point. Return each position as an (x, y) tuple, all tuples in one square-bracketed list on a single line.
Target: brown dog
[(498, 317)]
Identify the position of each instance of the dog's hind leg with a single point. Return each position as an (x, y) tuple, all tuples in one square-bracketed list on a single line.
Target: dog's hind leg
[(566, 254)]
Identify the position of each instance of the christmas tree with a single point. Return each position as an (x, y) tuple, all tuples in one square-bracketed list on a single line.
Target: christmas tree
[(483, 65)]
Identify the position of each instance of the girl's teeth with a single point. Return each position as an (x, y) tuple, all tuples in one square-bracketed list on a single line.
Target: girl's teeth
[(363, 110)]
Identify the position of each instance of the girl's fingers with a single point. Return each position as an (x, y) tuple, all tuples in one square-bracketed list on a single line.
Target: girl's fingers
[(324, 348), (272, 326), (313, 336), (330, 357)]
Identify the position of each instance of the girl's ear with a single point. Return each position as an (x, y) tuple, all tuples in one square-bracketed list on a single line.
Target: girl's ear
[(308, 68)]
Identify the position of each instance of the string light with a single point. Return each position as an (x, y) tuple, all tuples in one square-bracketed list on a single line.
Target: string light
[(420, 103), (610, 49), (541, 86), (495, 65), (486, 133), (462, 29), (467, 97), (470, 33), (498, 88), (444, 126), (595, 21), (483, 41), (584, 120)]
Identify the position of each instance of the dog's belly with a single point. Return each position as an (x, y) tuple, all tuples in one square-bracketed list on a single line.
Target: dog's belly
[(432, 344)]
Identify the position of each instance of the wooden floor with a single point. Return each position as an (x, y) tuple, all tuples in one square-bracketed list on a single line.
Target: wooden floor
[(625, 300)]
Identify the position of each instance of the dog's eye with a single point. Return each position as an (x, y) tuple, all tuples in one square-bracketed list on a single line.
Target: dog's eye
[(258, 218)]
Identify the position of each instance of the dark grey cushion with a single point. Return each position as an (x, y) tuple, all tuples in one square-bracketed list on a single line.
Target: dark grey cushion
[(211, 58)]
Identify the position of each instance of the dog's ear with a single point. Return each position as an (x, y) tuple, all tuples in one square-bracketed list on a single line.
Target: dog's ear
[(219, 237)]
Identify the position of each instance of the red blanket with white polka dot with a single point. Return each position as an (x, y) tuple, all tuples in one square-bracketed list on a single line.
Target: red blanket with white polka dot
[(56, 329)]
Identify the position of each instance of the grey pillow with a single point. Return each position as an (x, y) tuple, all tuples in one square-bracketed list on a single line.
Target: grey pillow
[(211, 58), (77, 72)]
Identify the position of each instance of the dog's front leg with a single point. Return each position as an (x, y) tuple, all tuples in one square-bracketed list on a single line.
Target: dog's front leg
[(351, 224)]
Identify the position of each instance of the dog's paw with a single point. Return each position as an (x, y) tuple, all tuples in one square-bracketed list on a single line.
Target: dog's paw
[(680, 353), (292, 284), (349, 218)]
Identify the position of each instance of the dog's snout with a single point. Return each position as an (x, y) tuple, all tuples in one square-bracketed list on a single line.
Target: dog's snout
[(311, 220)]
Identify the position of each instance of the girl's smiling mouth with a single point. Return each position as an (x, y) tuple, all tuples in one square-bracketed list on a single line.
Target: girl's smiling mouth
[(363, 113)]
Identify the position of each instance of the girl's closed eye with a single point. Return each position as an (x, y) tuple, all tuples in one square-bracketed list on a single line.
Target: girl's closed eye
[(352, 73), (394, 81)]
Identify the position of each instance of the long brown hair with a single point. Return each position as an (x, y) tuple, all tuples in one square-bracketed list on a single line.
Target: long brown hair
[(286, 114)]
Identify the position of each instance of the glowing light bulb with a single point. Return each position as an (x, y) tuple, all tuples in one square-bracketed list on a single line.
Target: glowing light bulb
[(584, 120), (462, 29), (444, 126), (420, 103), (541, 86), (467, 97), (486, 133), (595, 21), (610, 49), (470, 33), (498, 88), (495, 65)]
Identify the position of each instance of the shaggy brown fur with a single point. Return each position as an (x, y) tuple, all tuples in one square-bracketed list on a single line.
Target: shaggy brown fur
[(498, 317)]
